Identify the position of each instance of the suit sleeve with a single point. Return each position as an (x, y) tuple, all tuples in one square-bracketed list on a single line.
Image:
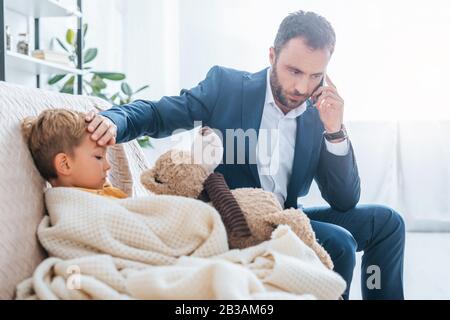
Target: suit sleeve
[(159, 119), (338, 179)]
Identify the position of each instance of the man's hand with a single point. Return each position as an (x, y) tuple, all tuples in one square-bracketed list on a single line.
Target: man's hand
[(330, 106), (103, 130)]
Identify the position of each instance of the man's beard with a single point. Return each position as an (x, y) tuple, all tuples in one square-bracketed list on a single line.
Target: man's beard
[(280, 95)]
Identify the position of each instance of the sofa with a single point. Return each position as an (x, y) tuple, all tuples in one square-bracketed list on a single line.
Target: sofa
[(21, 186)]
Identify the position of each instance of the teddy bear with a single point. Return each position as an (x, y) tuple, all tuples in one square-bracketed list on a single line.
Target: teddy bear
[(249, 214)]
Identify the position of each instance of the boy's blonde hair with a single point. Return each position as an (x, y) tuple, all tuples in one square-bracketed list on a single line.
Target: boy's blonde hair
[(54, 131)]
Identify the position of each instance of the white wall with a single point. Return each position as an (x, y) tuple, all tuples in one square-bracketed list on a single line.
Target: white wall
[(391, 59), (150, 46)]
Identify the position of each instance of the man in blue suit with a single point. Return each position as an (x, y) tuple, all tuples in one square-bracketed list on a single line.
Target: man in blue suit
[(304, 117)]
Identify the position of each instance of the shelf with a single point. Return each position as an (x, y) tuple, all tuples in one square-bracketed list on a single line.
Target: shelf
[(18, 61), (41, 8)]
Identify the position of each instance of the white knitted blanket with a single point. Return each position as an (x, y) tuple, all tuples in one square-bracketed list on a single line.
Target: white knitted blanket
[(164, 247)]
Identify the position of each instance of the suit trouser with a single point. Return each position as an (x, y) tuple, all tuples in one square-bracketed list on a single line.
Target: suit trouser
[(378, 231)]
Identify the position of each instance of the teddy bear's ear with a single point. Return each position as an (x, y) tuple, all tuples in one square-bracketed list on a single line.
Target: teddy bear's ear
[(150, 182)]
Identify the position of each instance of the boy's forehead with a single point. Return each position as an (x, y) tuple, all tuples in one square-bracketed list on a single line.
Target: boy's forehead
[(88, 142)]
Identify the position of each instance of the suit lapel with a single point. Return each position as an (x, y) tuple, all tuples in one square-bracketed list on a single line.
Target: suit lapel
[(302, 156), (254, 96)]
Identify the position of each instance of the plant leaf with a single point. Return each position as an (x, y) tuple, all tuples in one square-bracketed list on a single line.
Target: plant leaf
[(68, 86), (71, 80), (56, 79), (97, 83), (145, 142), (114, 97), (141, 89), (85, 29), (126, 89), (67, 89), (114, 76), (62, 45), (70, 37), (90, 55)]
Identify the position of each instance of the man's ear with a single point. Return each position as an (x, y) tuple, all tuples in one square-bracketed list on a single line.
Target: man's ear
[(62, 164), (272, 56)]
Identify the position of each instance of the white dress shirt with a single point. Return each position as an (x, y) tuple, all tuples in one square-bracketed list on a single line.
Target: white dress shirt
[(276, 145)]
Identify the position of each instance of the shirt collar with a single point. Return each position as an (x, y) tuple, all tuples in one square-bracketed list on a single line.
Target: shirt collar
[(270, 101)]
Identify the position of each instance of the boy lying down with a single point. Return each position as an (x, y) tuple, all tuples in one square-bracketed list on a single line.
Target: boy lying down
[(156, 247), (65, 155)]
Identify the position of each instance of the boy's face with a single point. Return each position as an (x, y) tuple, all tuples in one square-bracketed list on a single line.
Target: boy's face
[(89, 166)]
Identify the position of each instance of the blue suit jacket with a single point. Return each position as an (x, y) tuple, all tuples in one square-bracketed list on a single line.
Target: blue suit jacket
[(231, 99)]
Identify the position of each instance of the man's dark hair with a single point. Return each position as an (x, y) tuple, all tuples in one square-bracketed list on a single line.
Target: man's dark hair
[(315, 29)]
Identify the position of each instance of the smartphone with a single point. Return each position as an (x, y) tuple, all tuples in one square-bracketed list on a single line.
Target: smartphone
[(321, 84)]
